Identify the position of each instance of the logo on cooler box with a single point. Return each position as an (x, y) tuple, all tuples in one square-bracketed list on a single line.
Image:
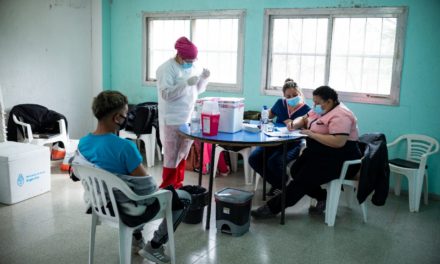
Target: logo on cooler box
[(29, 178), (20, 180)]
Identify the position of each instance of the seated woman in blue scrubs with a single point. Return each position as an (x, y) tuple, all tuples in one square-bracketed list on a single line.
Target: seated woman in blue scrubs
[(285, 110)]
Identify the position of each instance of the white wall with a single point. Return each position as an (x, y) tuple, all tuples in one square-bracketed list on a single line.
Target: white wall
[(46, 57)]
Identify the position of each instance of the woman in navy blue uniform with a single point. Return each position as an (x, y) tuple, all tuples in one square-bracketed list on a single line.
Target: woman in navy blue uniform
[(284, 110)]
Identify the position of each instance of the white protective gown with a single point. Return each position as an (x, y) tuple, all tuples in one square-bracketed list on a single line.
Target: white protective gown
[(176, 100)]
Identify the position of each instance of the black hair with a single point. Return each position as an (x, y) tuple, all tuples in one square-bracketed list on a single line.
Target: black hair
[(289, 83), (108, 102), (326, 93)]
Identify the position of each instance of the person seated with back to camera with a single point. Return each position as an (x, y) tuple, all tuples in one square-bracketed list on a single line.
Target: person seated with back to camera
[(104, 149), (332, 138), (285, 110)]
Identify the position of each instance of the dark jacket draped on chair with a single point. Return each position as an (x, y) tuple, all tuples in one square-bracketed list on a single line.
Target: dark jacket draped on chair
[(41, 119), (375, 171)]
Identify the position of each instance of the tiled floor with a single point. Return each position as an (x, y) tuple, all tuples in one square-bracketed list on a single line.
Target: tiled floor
[(52, 228)]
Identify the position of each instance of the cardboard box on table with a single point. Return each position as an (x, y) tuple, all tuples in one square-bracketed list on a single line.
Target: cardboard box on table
[(24, 171)]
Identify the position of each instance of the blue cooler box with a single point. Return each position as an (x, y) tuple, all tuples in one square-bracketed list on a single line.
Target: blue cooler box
[(233, 207)]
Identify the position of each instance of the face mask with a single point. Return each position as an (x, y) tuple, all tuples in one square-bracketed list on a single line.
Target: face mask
[(292, 102), (318, 109), (124, 123), (187, 65)]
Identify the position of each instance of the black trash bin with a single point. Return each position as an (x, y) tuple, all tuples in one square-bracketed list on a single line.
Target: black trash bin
[(199, 199)]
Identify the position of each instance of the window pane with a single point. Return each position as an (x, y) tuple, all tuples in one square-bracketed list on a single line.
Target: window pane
[(385, 73), (161, 46), (370, 75), (366, 49), (308, 71), (306, 79), (357, 34), (321, 36), (319, 78), (372, 36), (388, 36), (309, 36), (217, 42), (354, 74), (338, 68), (293, 69), (294, 36), (280, 33), (216, 39), (298, 51), (279, 66), (369, 55), (341, 27)]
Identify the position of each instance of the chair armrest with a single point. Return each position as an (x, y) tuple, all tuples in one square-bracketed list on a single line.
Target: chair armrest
[(24, 125), (396, 141), (157, 194), (424, 157), (435, 150), (345, 166), (115, 183), (62, 126), (127, 191)]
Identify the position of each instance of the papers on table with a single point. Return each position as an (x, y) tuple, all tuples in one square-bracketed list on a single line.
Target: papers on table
[(283, 132), (253, 128)]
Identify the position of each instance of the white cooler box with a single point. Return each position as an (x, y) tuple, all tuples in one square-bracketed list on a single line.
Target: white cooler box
[(24, 171), (231, 112)]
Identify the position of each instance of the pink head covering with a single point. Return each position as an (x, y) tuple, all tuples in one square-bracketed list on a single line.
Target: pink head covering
[(186, 49)]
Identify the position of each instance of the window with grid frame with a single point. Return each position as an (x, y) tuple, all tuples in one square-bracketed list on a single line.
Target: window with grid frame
[(218, 36), (357, 51)]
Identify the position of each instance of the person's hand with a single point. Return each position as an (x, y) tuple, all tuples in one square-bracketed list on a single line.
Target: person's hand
[(205, 73), (307, 132), (289, 125), (192, 80)]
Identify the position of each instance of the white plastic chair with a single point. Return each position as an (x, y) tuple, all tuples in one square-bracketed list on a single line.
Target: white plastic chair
[(334, 192), (38, 139), (245, 152), (94, 180), (414, 166), (149, 141)]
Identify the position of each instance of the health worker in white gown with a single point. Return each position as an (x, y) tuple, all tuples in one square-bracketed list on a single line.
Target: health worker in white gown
[(179, 82)]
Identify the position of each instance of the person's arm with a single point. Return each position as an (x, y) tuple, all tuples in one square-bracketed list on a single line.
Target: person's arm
[(275, 109), (170, 86), (271, 114), (132, 158), (339, 131), (139, 171), (297, 123), (203, 81), (334, 141), (170, 91), (287, 121)]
